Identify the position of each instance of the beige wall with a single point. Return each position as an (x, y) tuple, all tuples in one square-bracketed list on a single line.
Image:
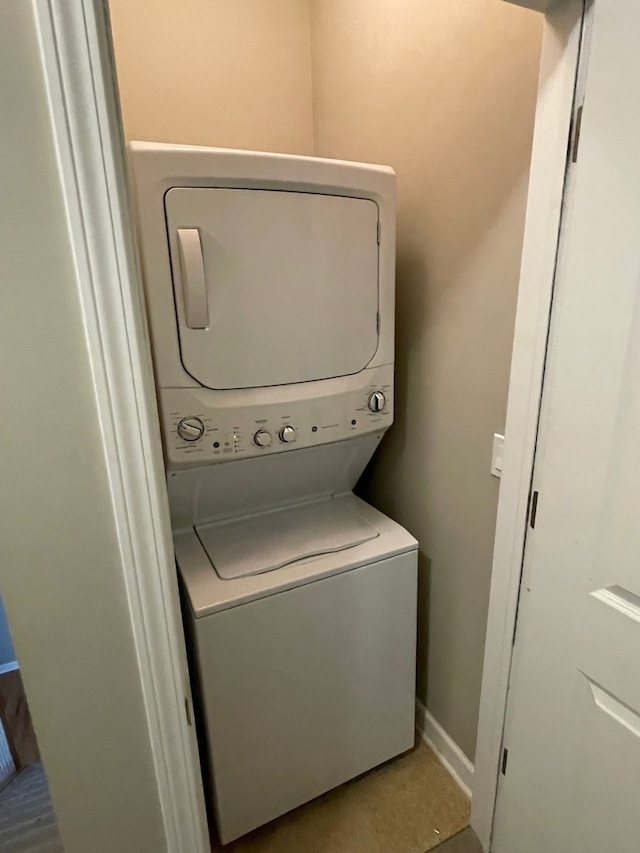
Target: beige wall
[(229, 73), (61, 575), (443, 91)]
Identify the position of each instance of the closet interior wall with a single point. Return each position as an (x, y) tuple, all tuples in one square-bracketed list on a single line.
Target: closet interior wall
[(445, 93)]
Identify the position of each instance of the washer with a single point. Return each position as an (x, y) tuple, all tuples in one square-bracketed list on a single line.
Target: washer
[(306, 672)]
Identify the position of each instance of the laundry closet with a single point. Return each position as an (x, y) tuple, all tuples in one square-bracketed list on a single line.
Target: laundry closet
[(329, 203)]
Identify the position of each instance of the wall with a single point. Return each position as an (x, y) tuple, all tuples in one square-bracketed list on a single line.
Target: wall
[(445, 93), (62, 580), (225, 73)]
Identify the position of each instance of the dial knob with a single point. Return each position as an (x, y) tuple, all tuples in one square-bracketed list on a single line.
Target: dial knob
[(190, 429), (287, 434), (377, 401), (262, 438)]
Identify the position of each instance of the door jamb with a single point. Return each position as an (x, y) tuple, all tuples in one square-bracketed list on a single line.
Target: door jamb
[(558, 72), (74, 46)]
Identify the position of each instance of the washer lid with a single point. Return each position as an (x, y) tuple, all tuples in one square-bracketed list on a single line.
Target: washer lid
[(260, 543), (272, 287)]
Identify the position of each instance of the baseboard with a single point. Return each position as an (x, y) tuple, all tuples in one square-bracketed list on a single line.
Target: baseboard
[(446, 749)]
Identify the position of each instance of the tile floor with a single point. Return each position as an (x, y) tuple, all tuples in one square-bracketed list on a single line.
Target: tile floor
[(409, 805)]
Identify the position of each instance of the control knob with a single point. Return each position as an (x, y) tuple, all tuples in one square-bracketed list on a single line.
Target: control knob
[(262, 438), (190, 429), (287, 434), (377, 401)]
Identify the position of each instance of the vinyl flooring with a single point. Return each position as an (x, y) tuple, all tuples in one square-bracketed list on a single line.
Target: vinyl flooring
[(409, 805)]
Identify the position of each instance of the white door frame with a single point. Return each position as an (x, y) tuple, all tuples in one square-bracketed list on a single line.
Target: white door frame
[(75, 54), (558, 70)]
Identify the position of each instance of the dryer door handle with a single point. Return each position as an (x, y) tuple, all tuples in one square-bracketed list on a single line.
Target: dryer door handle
[(194, 285)]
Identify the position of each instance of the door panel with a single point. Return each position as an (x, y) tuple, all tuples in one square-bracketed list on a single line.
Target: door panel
[(306, 689), (573, 719), (290, 290)]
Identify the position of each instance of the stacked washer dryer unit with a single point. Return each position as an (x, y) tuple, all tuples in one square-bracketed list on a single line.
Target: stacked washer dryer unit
[(269, 284)]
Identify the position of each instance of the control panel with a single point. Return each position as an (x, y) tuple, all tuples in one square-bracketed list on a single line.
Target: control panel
[(203, 427)]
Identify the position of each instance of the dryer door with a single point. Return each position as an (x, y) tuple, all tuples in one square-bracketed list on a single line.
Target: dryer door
[(273, 287)]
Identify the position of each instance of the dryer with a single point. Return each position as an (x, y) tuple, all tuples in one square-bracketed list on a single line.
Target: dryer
[(269, 285)]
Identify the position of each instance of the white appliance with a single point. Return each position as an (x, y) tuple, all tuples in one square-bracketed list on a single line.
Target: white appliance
[(269, 284)]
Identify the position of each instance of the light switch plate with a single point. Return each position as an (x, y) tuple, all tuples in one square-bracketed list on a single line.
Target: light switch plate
[(496, 455)]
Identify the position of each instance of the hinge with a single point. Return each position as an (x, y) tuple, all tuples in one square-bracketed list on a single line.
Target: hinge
[(533, 510), (581, 78), (505, 756), (577, 125), (187, 708), (378, 230)]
